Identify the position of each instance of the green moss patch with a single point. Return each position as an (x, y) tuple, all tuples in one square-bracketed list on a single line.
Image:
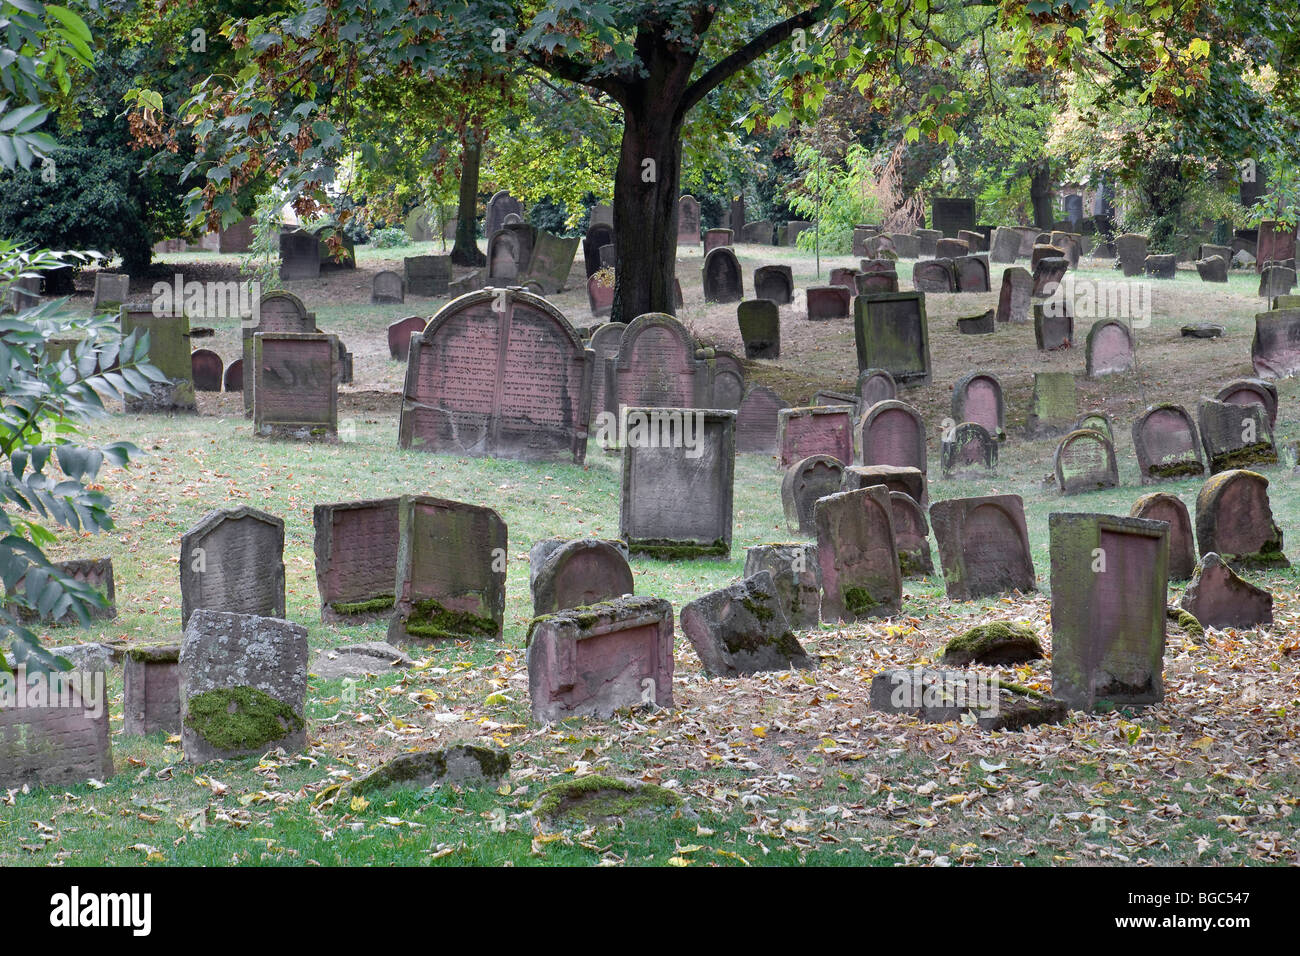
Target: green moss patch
[(665, 550), (994, 642), (372, 606), (859, 600), (432, 619), (240, 718), (598, 797), (154, 653), (1185, 621)]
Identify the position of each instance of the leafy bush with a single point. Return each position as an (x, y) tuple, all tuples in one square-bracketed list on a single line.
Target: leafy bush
[(389, 238), (835, 199)]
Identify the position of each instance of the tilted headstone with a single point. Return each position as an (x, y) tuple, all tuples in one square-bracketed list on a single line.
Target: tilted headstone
[(169, 352), (1235, 436), (723, 281), (678, 482), (1048, 274), (741, 629), (568, 574), (59, 738), (1053, 324), (234, 377), (977, 241), (775, 283), (983, 546), (760, 328), (1166, 443), (911, 535), (498, 373), (233, 560), (910, 481), (399, 336), (1109, 578), (828, 302), (728, 380), (1212, 269), (875, 385), (499, 206), (551, 262), (1098, 422), (891, 333), (934, 275), (977, 397), (243, 686), (1251, 391), (1275, 350), (1109, 348), (804, 482), (1162, 506), (857, 555), (758, 421), (1276, 280), (451, 571), (893, 433), (1014, 295), (1235, 520), (969, 452), (1069, 245), (1054, 406), (1217, 597), (1005, 246), (1085, 461), (790, 235), (688, 220), (299, 256), (296, 391), (816, 430), (356, 558), (593, 661), (151, 689), (657, 366), (796, 576)]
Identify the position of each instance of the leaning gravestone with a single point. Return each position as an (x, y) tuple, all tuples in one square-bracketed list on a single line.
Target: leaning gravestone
[(977, 397), (1167, 447), (600, 293), (498, 373), (1162, 506), (775, 283), (1085, 461), (451, 571), (296, 394), (1275, 350), (911, 535), (233, 560), (758, 421), (760, 328), (677, 489), (1097, 422), (983, 546), (742, 629), (596, 660), (796, 576), (1109, 348), (1109, 578), (60, 739), (387, 288), (243, 686), (151, 689), (1217, 597), (803, 484), (356, 558), (207, 369), (890, 333), (657, 366), (1053, 324), (1055, 404), (1234, 519), (969, 452), (951, 248), (1131, 251), (910, 481), (1005, 246), (1251, 391), (1015, 295), (1235, 436), (568, 574), (934, 275), (875, 385), (501, 204), (723, 281), (1213, 269), (169, 352), (399, 336), (816, 430), (111, 290), (234, 377), (856, 552), (893, 433), (1047, 275), (605, 343), (550, 263), (972, 273)]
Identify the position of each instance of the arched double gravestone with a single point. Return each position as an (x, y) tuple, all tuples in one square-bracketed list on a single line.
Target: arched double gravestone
[(498, 373)]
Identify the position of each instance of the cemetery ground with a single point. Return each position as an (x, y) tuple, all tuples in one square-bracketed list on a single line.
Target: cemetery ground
[(779, 768)]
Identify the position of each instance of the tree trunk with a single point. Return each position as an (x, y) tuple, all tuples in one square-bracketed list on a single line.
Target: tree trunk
[(1040, 194), (466, 251)]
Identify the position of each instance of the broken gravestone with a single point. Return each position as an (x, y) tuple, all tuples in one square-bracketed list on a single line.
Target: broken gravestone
[(1217, 597), (566, 574), (741, 629), (796, 576)]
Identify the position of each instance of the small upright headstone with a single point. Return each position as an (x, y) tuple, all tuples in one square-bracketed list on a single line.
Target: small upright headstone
[(1053, 324), (169, 352), (1235, 436), (1217, 597), (299, 255), (969, 452), (1055, 404), (891, 333), (803, 484), (972, 273), (356, 558), (875, 385), (816, 430), (911, 535), (233, 560), (983, 546), (58, 740), (1085, 461), (858, 558), (567, 574), (1015, 295), (295, 394), (399, 336), (207, 370), (893, 433), (977, 397), (1167, 447), (151, 689), (1131, 251), (723, 281), (1162, 506), (111, 290), (387, 288), (1109, 348), (1005, 246), (934, 275), (758, 421), (828, 302), (775, 283), (1161, 266), (796, 575), (760, 328)]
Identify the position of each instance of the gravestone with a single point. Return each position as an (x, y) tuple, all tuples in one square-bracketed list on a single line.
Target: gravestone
[(758, 233), (1208, 251), (893, 433), (1085, 461), (911, 536), (828, 302), (1276, 280), (551, 262), (498, 373), (299, 256), (1097, 422), (758, 421), (983, 323), (1048, 274), (568, 574), (1161, 266), (1166, 443), (983, 546), (1234, 519), (451, 571), (1275, 243), (169, 352), (605, 343), (1275, 350), (96, 573), (1109, 577), (716, 239), (601, 214), (608, 255), (723, 281), (688, 220), (1070, 246), (969, 452), (760, 328), (951, 215), (1162, 506), (501, 204), (596, 660), (890, 332), (825, 396), (356, 558), (1212, 269), (677, 489), (728, 381), (1235, 436), (875, 385), (387, 288), (775, 283), (1217, 597), (910, 481), (844, 276), (1109, 348), (884, 280), (796, 576), (425, 276), (236, 238), (934, 275), (206, 370), (906, 245), (1014, 295), (296, 390), (278, 311), (243, 682), (1054, 406), (233, 560), (151, 689), (1053, 325), (972, 273), (111, 290), (793, 228), (804, 482), (742, 629), (59, 740), (857, 556), (657, 366), (419, 225), (509, 250), (927, 241), (1005, 246), (816, 430), (951, 248), (600, 293), (399, 336), (1251, 391), (977, 397), (234, 378), (1044, 250), (977, 241), (598, 235)]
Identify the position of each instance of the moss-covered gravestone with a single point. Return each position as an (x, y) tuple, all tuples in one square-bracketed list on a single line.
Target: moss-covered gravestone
[(911, 535), (1166, 443), (1235, 436), (816, 430), (983, 545), (760, 328), (565, 574), (243, 686), (169, 352), (451, 571), (742, 629), (356, 558), (1109, 577), (1054, 406), (1085, 461), (1251, 391), (1235, 520), (796, 575), (152, 689), (969, 452), (1161, 506), (891, 333), (859, 560)]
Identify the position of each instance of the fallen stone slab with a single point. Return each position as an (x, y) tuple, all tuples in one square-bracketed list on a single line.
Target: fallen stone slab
[(1202, 330), (461, 764), (1218, 597), (357, 660), (597, 798), (940, 696), (994, 643), (742, 629)]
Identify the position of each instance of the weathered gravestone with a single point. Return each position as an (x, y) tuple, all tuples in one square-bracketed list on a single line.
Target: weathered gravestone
[(893, 433), (425, 276), (977, 397), (598, 235), (972, 273), (169, 352), (1014, 295), (775, 283), (911, 535), (296, 390), (1235, 436), (1276, 280), (728, 380), (969, 452), (1161, 266), (551, 262), (96, 573), (1085, 461), (234, 377), (605, 343), (1047, 275), (1217, 597), (927, 241), (1209, 251), (951, 215), (804, 482), (1131, 253), (856, 552), (509, 252), (678, 482), (299, 255), (1053, 324), (982, 323), (1005, 246), (1275, 350), (233, 560), (716, 239), (498, 373), (593, 661), (759, 233), (451, 571), (356, 558), (816, 430), (934, 275), (1251, 391), (1213, 269), (688, 220), (1109, 348), (796, 576), (758, 421), (825, 396), (946, 696), (789, 233), (566, 574), (877, 281), (875, 385), (59, 736), (760, 328), (387, 288), (951, 248), (1044, 250), (111, 290), (1070, 246), (723, 281), (243, 685), (742, 629), (828, 302), (151, 689), (1162, 506), (206, 370), (1166, 443), (891, 333), (910, 481), (278, 311), (977, 241), (1109, 577), (600, 293), (399, 336), (1275, 243), (983, 546), (1098, 422), (1055, 404), (501, 204), (1234, 519), (657, 366), (906, 245)]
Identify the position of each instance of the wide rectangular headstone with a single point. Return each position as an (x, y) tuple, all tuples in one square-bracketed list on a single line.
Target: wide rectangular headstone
[(427, 275), (169, 352), (356, 558), (950, 216), (295, 393), (111, 290), (891, 333), (551, 262), (59, 739), (299, 256)]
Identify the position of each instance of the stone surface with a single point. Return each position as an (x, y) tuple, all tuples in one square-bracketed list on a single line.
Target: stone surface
[(387, 288), (358, 660), (605, 342), (996, 644), (463, 764), (206, 370), (1235, 436), (856, 552), (816, 430), (875, 385), (911, 535), (1166, 443), (760, 328), (295, 394), (972, 273), (758, 421), (828, 302), (356, 558), (982, 323), (1235, 520), (723, 280), (890, 332), (1251, 391), (568, 574), (399, 336), (950, 215), (1162, 506), (1014, 295), (657, 366), (774, 283), (233, 560), (299, 255), (970, 452), (796, 575), (1161, 266), (169, 352), (910, 481), (1275, 350), (741, 629), (151, 694), (1109, 348), (61, 741), (1085, 461), (1054, 406), (804, 482), (501, 205), (1217, 597), (977, 397), (893, 433), (934, 275), (983, 546), (1053, 325), (96, 573), (941, 696), (111, 290), (1213, 269)]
